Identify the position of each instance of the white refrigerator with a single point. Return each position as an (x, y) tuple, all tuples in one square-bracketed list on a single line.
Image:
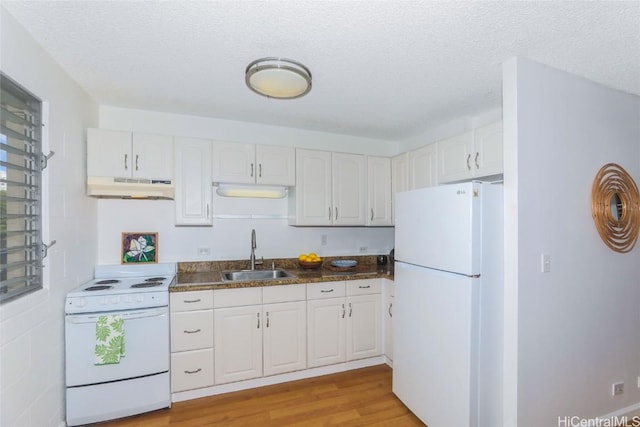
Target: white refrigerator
[(448, 314)]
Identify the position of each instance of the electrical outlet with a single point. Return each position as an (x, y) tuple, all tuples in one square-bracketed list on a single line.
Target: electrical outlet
[(204, 251), (363, 249), (617, 389), (545, 263)]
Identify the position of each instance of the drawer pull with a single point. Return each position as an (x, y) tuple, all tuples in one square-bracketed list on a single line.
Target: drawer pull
[(192, 332), (364, 287), (325, 292), (191, 301), (193, 372)]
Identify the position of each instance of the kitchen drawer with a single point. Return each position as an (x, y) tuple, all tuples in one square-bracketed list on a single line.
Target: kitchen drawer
[(191, 369), (191, 330), (237, 297), (194, 300), (362, 287), (325, 290), (284, 293)]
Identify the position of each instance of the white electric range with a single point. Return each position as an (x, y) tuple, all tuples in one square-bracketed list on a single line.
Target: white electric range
[(139, 381)]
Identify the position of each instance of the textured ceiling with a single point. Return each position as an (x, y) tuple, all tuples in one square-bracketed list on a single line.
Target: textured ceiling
[(381, 69)]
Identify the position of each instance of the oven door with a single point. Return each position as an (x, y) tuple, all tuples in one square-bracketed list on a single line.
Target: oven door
[(146, 334)]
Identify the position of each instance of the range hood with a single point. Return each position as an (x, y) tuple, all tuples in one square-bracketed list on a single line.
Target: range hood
[(129, 188)]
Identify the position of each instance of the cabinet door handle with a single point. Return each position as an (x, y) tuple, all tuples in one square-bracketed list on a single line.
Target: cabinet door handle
[(267, 319), (252, 170), (191, 301), (336, 213), (469, 161), (390, 312), (329, 213), (260, 170), (350, 310), (192, 332), (193, 372), (364, 287), (207, 210), (137, 162), (324, 292), (476, 160), (258, 320), (343, 312), (126, 167), (371, 214)]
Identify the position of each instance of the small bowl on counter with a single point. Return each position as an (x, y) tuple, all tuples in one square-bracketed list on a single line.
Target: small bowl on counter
[(310, 265), (344, 263)]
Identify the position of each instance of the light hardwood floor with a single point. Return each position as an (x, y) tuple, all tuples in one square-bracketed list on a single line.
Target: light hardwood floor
[(361, 397)]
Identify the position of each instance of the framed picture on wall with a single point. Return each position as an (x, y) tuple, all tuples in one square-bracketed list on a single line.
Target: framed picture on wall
[(139, 248)]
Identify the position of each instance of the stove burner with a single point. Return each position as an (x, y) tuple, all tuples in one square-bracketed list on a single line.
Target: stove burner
[(155, 279), (98, 288), (146, 284), (107, 282)]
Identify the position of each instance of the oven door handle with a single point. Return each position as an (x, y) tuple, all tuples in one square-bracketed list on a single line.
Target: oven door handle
[(93, 317)]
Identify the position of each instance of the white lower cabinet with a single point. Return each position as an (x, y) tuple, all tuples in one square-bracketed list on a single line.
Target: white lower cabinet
[(230, 335), (327, 331), (254, 339), (388, 318), (191, 340), (284, 337), (344, 321), (238, 343), (237, 334)]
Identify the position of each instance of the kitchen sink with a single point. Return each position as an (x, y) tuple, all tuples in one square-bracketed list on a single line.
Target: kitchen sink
[(250, 275)]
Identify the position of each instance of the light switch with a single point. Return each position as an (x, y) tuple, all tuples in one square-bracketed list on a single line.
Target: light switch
[(546, 263)]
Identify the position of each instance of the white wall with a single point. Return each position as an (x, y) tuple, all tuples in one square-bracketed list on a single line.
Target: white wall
[(229, 238), (574, 330), (32, 327), (235, 131)]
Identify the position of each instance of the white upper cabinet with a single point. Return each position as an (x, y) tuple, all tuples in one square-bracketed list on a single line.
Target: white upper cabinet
[(473, 154), (379, 191), (489, 147), (276, 165), (253, 164), (330, 189), (193, 193), (121, 154), (348, 184), (423, 167)]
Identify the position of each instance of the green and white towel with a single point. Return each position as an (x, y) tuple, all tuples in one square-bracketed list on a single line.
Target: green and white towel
[(109, 340)]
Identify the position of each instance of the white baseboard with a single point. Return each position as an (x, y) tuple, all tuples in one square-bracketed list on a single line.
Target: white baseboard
[(277, 379), (629, 411)]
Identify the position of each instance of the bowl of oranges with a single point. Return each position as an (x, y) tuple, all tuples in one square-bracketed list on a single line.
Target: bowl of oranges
[(309, 261)]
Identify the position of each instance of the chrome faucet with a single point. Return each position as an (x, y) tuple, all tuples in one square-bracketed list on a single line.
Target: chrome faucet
[(252, 257)]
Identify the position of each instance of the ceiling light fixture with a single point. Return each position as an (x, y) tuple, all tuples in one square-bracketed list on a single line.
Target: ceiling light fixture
[(278, 78)]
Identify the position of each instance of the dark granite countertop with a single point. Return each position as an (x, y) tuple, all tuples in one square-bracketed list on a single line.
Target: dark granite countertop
[(198, 276)]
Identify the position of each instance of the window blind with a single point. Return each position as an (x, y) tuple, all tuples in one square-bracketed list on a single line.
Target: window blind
[(21, 248)]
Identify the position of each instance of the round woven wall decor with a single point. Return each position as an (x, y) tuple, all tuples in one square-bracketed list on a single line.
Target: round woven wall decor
[(615, 205)]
